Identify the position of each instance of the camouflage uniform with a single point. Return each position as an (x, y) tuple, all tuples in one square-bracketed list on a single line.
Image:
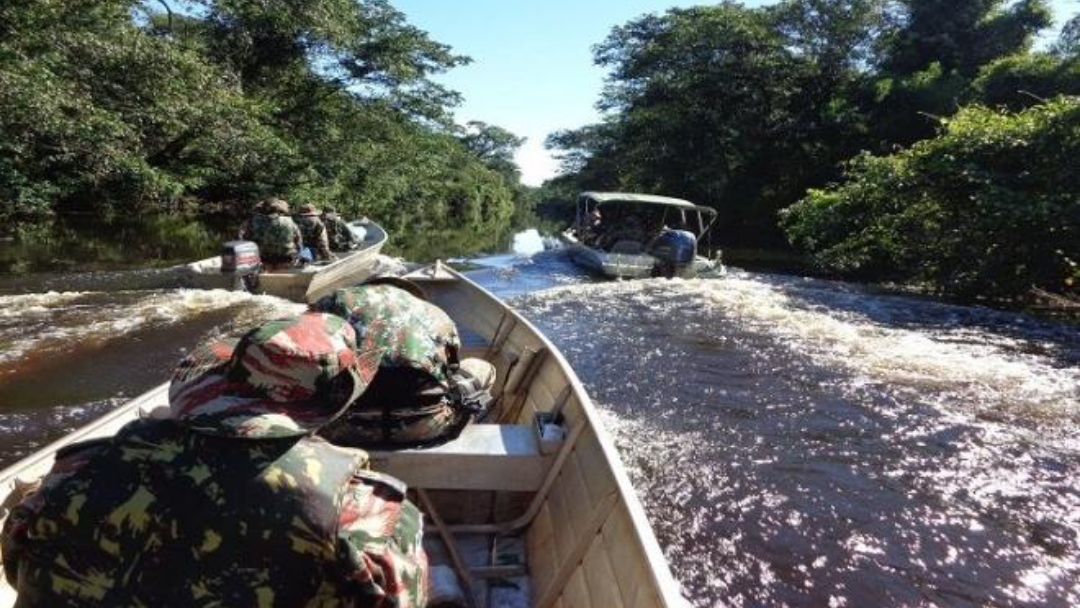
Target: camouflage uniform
[(278, 237), (337, 230), (231, 502), (314, 232), (422, 394)]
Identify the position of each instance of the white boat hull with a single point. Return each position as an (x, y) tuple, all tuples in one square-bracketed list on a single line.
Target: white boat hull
[(626, 265), (302, 284)]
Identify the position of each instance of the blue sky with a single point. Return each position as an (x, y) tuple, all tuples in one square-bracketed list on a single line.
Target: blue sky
[(532, 70)]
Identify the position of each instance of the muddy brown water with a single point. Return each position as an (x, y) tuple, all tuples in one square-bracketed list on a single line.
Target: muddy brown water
[(795, 442)]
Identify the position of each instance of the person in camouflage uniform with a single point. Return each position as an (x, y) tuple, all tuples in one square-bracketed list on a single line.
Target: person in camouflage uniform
[(423, 394), (314, 233), (337, 231), (278, 237), (230, 502)]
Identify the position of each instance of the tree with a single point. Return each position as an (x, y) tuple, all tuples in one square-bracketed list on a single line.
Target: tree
[(727, 106), (125, 108), (493, 146), (990, 207), (961, 36), (1022, 81), (1068, 43)]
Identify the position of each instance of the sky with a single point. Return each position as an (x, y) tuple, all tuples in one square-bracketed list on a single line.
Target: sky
[(532, 70)]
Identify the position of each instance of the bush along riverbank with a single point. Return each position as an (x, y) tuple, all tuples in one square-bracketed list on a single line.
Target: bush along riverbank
[(990, 209)]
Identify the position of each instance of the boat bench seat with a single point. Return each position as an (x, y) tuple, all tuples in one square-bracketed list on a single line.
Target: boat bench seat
[(489, 457)]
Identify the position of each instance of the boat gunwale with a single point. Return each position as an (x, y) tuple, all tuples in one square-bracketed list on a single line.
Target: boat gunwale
[(666, 584)]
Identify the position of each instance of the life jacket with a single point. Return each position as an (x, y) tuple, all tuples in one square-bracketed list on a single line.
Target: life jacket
[(163, 516), (422, 394)]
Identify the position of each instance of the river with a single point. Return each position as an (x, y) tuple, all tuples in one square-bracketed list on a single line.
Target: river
[(795, 442)]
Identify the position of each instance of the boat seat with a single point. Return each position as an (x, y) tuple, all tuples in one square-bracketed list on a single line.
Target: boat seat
[(495, 457)]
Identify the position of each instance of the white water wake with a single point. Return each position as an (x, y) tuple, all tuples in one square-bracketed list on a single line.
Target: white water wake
[(58, 321), (873, 337)]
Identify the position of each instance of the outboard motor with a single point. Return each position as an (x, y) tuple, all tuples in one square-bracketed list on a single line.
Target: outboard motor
[(674, 251), (241, 259)]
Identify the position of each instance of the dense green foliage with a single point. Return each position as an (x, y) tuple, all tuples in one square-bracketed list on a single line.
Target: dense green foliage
[(749, 109), (988, 208), (121, 107)]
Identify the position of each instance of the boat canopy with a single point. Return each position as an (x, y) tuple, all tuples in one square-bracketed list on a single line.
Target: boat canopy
[(601, 198), (587, 201)]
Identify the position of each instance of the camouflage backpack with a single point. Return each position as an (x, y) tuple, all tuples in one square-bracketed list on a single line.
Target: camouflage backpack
[(275, 235), (337, 231), (422, 394), (231, 502)]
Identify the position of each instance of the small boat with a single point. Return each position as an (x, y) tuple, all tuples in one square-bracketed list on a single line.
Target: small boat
[(304, 284), (532, 507), (626, 235)]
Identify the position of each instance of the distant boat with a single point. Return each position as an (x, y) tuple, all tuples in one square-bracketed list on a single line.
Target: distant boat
[(627, 235), (305, 284), (534, 502)]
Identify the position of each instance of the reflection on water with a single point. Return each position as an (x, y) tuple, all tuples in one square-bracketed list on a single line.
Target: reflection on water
[(805, 443)]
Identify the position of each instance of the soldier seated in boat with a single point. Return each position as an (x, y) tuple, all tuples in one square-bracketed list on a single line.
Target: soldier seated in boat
[(593, 227), (277, 236), (314, 234), (337, 231), (423, 394), (631, 229), (229, 499)]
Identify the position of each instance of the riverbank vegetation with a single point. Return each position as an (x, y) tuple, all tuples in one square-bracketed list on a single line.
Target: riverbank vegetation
[(912, 140), (197, 108)]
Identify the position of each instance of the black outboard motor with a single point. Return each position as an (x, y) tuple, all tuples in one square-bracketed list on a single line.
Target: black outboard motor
[(674, 251), (241, 259)]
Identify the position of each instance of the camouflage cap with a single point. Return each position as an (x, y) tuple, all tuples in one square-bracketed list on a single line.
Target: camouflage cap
[(407, 330), (286, 378), (308, 209), (276, 205)]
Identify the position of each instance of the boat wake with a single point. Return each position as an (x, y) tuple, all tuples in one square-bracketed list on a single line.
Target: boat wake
[(810, 443), (38, 325), (67, 357)]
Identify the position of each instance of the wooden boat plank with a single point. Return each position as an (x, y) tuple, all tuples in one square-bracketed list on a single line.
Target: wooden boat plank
[(576, 592), (543, 554), (597, 480), (562, 518), (603, 586), (629, 573), (576, 492)]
